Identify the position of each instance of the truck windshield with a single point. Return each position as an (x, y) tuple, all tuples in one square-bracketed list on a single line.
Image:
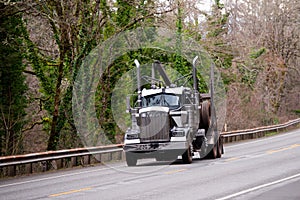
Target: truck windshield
[(168, 100)]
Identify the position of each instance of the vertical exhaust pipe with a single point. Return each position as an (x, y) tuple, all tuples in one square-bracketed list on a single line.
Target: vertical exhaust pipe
[(212, 82), (153, 76), (196, 87), (139, 101)]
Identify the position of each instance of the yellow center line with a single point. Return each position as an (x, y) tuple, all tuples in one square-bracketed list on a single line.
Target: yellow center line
[(175, 171), (70, 192), (232, 159), (283, 149)]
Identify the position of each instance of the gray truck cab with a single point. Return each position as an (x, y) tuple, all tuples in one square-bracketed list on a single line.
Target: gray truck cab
[(168, 122)]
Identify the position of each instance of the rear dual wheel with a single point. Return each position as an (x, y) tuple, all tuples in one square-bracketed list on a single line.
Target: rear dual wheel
[(187, 157), (220, 148), (213, 152), (205, 115), (216, 151)]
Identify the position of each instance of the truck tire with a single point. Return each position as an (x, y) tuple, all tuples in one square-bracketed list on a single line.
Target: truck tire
[(187, 157), (213, 152), (220, 148), (205, 115), (131, 160)]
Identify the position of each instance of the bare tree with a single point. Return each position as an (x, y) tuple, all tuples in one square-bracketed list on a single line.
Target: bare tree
[(265, 35)]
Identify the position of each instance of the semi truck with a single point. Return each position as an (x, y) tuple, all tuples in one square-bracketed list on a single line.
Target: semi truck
[(170, 121)]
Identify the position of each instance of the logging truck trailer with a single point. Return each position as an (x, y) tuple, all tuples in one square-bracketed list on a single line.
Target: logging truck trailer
[(172, 121)]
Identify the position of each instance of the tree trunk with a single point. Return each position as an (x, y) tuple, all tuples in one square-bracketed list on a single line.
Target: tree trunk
[(54, 133)]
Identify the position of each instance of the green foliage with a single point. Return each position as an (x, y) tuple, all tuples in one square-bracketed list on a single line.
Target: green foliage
[(248, 76), (256, 54), (12, 84), (215, 43), (124, 13), (297, 112), (228, 78), (270, 134), (75, 43), (129, 12)]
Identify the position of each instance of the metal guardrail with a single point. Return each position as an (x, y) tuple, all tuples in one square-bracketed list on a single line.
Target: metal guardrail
[(44, 161), (232, 136), (37, 162)]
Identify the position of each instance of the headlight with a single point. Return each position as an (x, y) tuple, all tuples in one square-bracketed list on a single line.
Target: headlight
[(132, 136), (178, 134)]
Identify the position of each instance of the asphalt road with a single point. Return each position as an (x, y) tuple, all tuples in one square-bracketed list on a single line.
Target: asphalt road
[(267, 168)]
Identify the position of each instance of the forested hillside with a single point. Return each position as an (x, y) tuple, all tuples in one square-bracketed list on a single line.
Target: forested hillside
[(255, 44)]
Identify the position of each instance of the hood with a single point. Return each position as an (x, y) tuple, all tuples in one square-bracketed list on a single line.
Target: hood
[(154, 108)]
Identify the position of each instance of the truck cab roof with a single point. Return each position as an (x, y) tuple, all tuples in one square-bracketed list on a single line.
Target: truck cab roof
[(175, 90)]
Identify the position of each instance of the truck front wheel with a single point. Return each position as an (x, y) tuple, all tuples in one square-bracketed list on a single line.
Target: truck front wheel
[(131, 159)]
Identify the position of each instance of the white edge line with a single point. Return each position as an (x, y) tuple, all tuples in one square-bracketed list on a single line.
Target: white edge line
[(54, 177), (258, 187)]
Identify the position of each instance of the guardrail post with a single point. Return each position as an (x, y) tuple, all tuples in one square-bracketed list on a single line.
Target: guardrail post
[(101, 158), (260, 134), (12, 170), (110, 156), (28, 168), (250, 136), (239, 137), (98, 157), (45, 165), (73, 161), (86, 160), (121, 155), (224, 139), (59, 163)]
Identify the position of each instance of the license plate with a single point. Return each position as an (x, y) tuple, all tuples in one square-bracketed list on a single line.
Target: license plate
[(144, 147)]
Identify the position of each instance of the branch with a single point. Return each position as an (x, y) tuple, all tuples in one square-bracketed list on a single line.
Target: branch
[(136, 20), (13, 8), (29, 72), (32, 126)]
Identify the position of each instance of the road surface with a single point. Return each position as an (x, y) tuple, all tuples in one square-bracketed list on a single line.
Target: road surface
[(267, 168)]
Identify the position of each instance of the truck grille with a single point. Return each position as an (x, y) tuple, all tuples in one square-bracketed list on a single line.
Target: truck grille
[(155, 126)]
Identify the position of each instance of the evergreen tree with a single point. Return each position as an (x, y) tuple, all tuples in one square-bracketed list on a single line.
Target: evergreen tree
[(12, 83), (215, 40)]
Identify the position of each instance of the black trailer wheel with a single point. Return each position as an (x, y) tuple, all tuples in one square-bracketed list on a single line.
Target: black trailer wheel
[(213, 152), (205, 115), (187, 157), (131, 159), (220, 148)]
